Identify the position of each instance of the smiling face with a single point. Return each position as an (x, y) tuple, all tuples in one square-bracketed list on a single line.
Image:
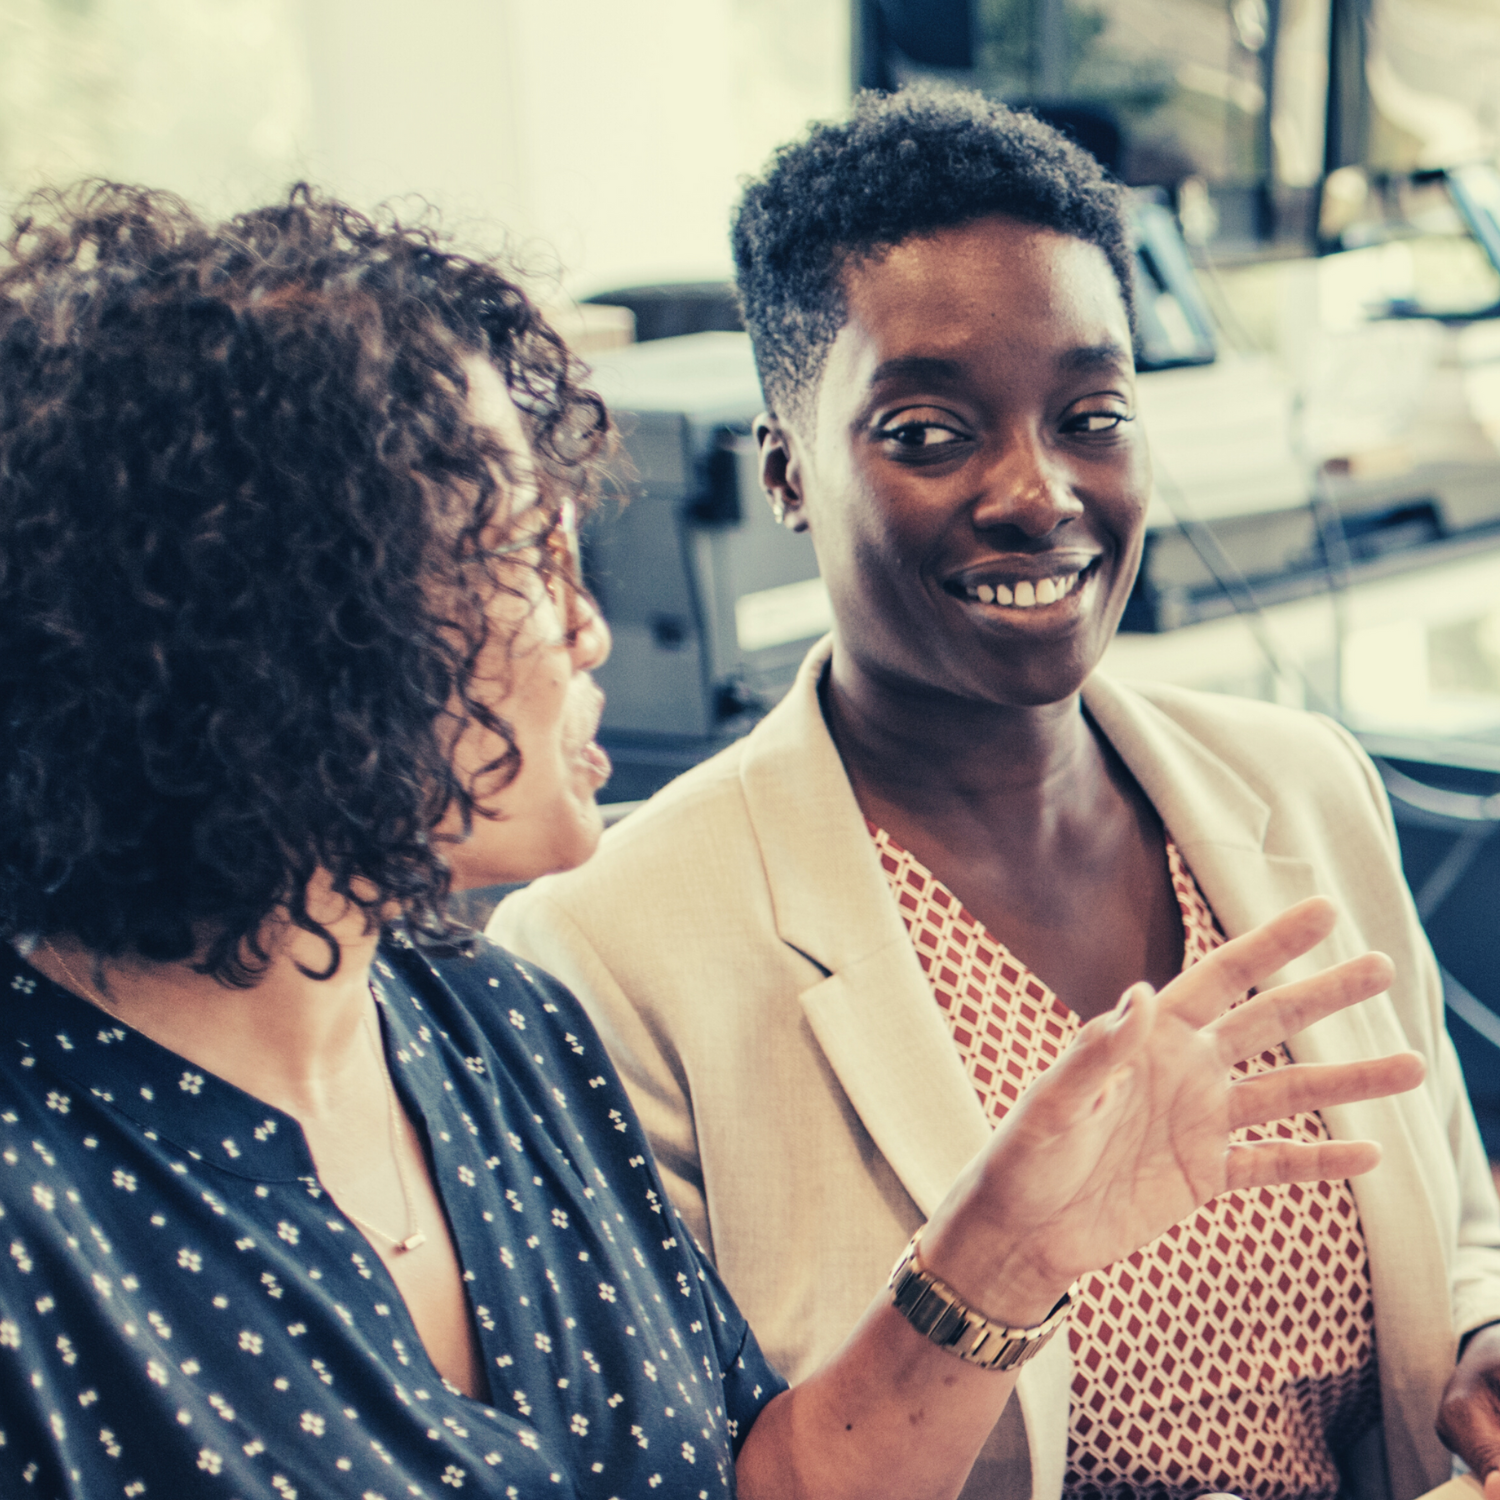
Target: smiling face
[(971, 472)]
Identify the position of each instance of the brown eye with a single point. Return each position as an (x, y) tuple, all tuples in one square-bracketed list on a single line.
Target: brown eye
[(921, 435), (912, 432), (1090, 422)]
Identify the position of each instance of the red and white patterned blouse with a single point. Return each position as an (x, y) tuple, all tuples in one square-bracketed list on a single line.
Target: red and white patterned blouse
[(1236, 1352)]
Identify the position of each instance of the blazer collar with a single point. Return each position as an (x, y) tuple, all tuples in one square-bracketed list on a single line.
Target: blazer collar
[(828, 891), (1218, 821), (1198, 796), (829, 894), (873, 1013)]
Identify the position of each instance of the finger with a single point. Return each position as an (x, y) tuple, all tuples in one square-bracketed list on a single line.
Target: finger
[(1266, 1019), (1264, 1163), (1305, 1087), (1467, 1423), (1217, 981), (1468, 1417), (1079, 1082)]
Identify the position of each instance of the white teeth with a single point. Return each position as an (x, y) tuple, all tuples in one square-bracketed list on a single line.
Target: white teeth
[(1028, 593)]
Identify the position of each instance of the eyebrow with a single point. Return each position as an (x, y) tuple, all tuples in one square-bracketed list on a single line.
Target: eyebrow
[(917, 367), (1108, 355), (1096, 356)]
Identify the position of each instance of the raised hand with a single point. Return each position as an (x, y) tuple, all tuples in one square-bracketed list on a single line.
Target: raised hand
[(1122, 1138), (1129, 1131)]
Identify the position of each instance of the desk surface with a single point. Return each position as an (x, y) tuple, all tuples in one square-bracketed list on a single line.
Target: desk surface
[(1462, 1488), (1417, 653)]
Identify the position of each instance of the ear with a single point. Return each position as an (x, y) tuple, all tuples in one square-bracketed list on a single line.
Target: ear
[(780, 475)]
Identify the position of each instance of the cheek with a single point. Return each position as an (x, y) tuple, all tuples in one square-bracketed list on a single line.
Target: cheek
[(536, 710), (1122, 498)]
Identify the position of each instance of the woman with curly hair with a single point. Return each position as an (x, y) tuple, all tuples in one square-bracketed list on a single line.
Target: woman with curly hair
[(307, 1190)]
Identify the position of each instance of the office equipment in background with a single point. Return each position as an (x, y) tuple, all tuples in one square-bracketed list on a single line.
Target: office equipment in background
[(712, 604), (1378, 452)]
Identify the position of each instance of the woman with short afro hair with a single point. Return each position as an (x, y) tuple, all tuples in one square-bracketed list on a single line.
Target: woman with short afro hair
[(943, 854)]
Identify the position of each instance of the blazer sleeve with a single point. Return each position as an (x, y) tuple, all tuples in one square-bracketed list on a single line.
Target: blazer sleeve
[(1476, 1267), (538, 928)]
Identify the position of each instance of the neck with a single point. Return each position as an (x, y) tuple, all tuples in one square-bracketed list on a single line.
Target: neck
[(930, 754), (295, 1042)]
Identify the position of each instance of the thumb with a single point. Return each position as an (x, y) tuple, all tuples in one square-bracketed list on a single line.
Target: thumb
[(1492, 1484)]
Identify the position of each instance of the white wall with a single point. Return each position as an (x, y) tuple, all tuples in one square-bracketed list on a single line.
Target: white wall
[(613, 134), (210, 99), (607, 139)]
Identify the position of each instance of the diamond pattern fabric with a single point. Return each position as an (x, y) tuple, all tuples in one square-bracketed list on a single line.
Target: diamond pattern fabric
[(1236, 1352)]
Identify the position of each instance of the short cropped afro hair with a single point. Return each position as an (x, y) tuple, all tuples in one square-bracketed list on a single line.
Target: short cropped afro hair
[(901, 165), (243, 581)]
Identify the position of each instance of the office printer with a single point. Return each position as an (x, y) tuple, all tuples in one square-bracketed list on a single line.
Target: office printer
[(712, 604)]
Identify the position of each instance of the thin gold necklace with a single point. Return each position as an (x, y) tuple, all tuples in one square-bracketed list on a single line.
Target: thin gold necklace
[(414, 1236), (86, 990)]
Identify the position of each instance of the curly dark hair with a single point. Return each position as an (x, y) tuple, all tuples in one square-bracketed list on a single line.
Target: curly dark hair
[(242, 596), (901, 165)]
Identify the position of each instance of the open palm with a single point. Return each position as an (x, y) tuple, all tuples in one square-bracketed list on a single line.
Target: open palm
[(1131, 1130)]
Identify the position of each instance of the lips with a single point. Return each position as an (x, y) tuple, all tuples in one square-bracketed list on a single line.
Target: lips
[(590, 754), (597, 762), (1013, 589)]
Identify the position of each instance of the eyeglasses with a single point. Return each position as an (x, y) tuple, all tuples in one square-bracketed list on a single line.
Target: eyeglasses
[(558, 542)]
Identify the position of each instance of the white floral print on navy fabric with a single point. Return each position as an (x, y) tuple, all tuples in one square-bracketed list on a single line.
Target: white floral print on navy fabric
[(184, 1310)]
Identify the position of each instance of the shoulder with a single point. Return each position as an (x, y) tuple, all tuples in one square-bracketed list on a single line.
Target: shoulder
[(1287, 757), (1240, 726), (693, 836), (704, 802), (490, 1010)]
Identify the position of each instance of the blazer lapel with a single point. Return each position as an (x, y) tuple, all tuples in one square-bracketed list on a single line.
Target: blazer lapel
[(1214, 817), (876, 1022), (1220, 825), (873, 1015)]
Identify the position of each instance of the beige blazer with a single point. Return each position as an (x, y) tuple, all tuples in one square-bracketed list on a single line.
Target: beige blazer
[(737, 945)]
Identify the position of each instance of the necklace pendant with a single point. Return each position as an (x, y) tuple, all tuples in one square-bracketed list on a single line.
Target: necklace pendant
[(411, 1241)]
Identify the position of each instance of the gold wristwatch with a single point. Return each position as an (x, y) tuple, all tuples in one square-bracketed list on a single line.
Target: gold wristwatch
[(936, 1311)]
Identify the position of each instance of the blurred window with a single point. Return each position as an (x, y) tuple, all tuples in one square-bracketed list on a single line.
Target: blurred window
[(1183, 78), (1418, 246)]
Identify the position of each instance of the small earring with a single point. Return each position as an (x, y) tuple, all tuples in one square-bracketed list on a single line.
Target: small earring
[(778, 509)]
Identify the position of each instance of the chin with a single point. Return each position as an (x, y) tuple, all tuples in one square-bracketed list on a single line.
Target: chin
[(512, 851), (578, 848), (1053, 678)]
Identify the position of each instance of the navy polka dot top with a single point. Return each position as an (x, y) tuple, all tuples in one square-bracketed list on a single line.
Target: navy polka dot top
[(185, 1311)]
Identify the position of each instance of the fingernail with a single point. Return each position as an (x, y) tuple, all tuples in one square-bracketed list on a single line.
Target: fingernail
[(1123, 1004)]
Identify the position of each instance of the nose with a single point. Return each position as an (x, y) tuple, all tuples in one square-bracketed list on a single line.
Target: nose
[(1028, 488), (589, 638)]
